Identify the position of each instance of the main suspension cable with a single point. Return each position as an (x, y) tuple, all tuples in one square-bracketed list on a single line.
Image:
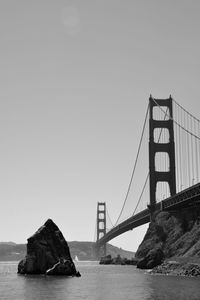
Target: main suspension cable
[(143, 189), (135, 164), (185, 110)]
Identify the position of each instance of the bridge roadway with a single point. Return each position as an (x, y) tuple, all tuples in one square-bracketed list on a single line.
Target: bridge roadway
[(184, 199)]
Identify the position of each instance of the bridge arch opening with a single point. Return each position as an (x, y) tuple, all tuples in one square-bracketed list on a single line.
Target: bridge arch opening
[(162, 190), (101, 234), (130, 239), (101, 225), (160, 113), (162, 163), (161, 135), (101, 216)]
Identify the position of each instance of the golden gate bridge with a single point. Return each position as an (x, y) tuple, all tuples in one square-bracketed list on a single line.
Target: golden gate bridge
[(172, 179)]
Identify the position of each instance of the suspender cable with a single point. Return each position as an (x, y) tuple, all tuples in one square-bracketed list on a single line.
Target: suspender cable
[(199, 145), (180, 152), (179, 146), (196, 153), (185, 153), (192, 150), (176, 149), (194, 132), (185, 129), (165, 166), (188, 153), (186, 111)]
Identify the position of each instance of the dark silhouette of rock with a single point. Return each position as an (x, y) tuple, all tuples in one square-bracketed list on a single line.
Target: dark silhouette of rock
[(47, 250), (108, 260), (132, 261), (63, 267), (151, 260), (170, 234), (178, 268), (118, 260)]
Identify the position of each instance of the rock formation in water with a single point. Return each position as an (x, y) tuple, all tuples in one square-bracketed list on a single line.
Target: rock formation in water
[(170, 234), (108, 260), (48, 253)]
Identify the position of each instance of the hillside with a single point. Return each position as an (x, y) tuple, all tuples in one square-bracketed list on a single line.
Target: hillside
[(84, 250), (11, 251)]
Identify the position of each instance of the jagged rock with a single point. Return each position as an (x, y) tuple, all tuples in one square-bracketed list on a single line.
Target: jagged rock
[(45, 249), (132, 261), (118, 260), (153, 259), (108, 260), (63, 268), (170, 234), (177, 268)]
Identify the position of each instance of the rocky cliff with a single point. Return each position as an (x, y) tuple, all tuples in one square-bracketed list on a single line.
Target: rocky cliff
[(170, 234), (48, 253)]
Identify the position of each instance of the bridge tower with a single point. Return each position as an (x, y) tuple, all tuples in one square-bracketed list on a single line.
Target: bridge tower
[(101, 227), (154, 147)]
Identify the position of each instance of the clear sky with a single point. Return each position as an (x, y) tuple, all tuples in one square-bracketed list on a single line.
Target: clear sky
[(75, 79)]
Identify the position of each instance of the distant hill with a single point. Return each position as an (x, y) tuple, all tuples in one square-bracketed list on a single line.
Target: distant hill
[(10, 251), (84, 250)]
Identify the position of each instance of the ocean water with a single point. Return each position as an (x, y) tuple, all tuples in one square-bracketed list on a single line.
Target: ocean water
[(96, 283)]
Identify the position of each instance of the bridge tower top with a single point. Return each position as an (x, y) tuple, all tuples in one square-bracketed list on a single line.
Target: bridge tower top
[(155, 146)]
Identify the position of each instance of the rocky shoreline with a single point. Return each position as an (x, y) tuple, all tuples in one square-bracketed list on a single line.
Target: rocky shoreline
[(172, 267), (108, 260), (172, 243), (177, 268)]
